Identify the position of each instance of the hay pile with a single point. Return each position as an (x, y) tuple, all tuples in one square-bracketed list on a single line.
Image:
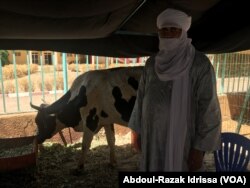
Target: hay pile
[(56, 162), (18, 151)]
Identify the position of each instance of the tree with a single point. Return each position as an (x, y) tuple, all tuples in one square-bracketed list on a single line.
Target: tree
[(4, 57)]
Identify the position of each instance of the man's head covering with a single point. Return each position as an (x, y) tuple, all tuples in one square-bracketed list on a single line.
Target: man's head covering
[(175, 55), (174, 18)]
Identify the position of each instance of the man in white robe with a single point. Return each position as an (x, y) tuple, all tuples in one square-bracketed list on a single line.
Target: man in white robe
[(177, 113)]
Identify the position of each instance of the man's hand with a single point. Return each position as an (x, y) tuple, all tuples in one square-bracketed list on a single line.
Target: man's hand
[(136, 141), (195, 160)]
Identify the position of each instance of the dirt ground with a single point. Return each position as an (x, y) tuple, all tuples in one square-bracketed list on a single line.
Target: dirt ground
[(56, 162)]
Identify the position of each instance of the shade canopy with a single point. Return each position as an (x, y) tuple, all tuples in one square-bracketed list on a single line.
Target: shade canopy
[(119, 28)]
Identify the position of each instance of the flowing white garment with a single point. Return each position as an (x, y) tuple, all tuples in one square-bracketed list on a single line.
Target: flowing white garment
[(173, 62), (151, 117)]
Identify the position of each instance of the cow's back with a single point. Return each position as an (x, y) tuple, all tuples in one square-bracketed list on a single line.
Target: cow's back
[(110, 93)]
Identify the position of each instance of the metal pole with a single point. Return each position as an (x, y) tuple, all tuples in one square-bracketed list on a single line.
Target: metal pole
[(2, 84), (65, 75), (42, 74), (29, 79), (77, 67), (239, 70), (54, 72), (240, 120), (16, 82), (97, 63), (106, 63), (87, 62), (116, 62), (223, 70)]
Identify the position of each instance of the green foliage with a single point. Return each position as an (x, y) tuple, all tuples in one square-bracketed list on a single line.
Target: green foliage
[(4, 57)]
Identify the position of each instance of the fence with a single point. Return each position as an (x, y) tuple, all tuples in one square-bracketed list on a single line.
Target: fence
[(25, 83), (40, 82), (232, 78)]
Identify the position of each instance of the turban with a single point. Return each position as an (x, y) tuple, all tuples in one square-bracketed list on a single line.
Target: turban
[(174, 18)]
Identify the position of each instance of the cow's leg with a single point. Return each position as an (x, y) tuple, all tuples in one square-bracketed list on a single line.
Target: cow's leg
[(86, 142), (110, 135)]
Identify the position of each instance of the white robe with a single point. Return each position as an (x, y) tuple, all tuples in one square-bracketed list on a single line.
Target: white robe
[(150, 116)]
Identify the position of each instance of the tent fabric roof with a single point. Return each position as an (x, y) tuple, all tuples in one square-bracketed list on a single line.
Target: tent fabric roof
[(119, 28)]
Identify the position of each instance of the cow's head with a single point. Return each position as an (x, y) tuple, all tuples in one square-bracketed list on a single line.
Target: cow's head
[(46, 123)]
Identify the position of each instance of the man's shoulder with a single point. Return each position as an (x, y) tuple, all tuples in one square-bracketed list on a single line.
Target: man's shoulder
[(201, 64), (150, 61), (201, 57), (201, 60)]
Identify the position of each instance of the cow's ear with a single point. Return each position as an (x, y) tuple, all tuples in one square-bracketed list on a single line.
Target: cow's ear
[(44, 102), (44, 105), (39, 108)]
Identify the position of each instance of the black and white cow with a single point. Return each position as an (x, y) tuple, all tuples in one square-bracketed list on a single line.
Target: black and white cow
[(96, 99)]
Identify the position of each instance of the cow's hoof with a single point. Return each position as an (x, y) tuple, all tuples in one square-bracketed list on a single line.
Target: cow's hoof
[(77, 172)]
